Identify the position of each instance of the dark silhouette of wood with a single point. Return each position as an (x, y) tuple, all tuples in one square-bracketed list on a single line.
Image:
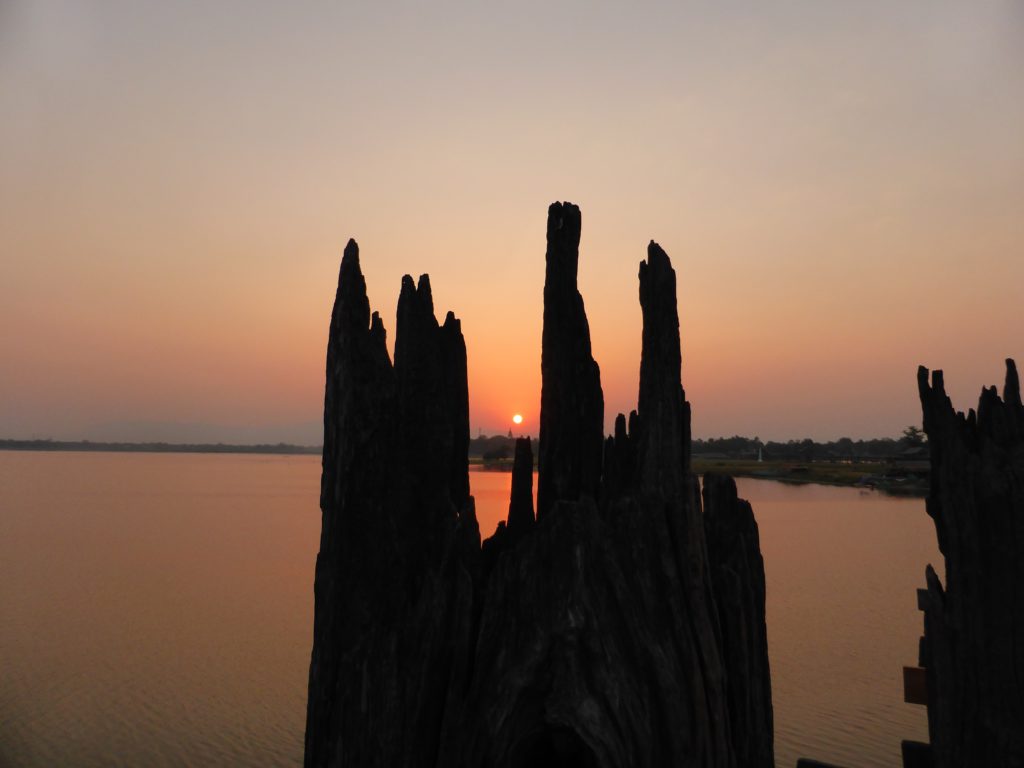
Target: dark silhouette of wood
[(663, 449), (393, 588), (520, 506), (571, 401), (621, 626), (973, 648), (737, 577), (520, 510)]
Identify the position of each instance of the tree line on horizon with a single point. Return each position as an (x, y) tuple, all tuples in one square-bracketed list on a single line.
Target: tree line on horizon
[(501, 447), (910, 445)]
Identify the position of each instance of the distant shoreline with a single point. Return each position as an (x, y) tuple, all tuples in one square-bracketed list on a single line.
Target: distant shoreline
[(88, 446), (905, 479), (894, 478)]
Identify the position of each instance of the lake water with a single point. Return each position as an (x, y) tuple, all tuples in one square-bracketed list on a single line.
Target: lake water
[(156, 609)]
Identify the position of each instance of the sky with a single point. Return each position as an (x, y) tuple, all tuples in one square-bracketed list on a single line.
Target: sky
[(840, 187)]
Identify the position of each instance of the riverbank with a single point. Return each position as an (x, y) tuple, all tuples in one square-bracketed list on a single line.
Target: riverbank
[(898, 479), (901, 479)]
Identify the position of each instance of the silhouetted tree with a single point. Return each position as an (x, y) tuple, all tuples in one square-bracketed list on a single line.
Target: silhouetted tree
[(913, 437)]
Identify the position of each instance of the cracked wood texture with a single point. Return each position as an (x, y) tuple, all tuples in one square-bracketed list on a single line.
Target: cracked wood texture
[(622, 625), (973, 647)]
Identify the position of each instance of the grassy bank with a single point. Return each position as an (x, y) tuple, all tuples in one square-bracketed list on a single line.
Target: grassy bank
[(905, 479)]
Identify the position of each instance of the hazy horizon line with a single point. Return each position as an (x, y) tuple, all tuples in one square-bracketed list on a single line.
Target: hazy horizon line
[(5, 441)]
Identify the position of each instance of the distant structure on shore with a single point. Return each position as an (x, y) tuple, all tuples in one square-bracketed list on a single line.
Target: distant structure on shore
[(623, 624)]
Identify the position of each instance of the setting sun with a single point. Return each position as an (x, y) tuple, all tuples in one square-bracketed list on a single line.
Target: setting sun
[(517, 419)]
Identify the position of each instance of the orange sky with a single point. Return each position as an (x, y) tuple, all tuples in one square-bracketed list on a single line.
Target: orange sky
[(840, 187)]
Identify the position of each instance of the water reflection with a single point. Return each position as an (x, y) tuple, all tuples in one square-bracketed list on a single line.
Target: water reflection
[(157, 609)]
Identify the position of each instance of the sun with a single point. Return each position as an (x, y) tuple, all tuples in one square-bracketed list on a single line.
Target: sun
[(517, 419)]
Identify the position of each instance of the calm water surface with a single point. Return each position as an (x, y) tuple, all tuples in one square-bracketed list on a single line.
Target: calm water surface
[(156, 609)]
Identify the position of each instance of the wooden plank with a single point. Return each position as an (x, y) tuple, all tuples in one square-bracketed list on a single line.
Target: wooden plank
[(806, 762), (915, 685), (917, 754)]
